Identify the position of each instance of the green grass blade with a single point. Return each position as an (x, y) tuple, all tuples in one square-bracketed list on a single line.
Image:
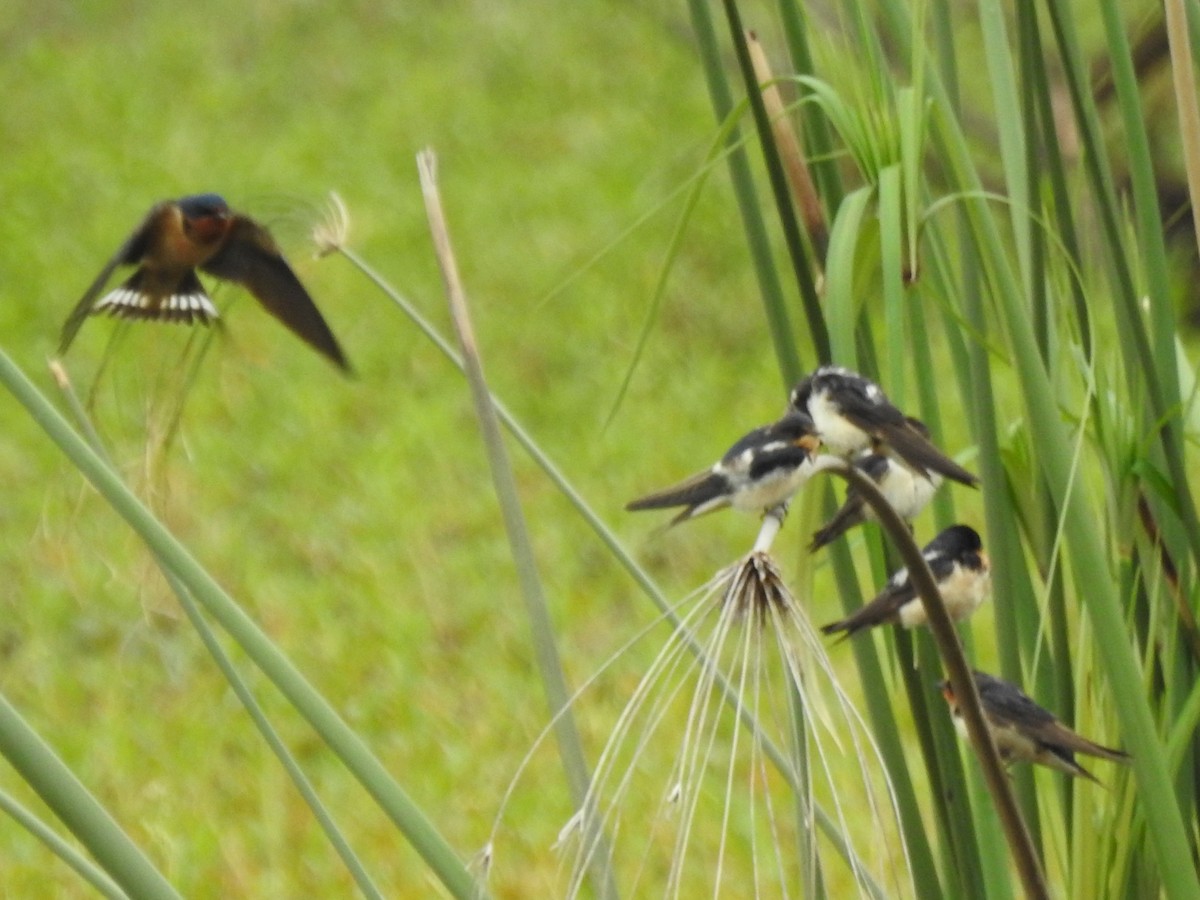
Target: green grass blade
[(802, 266), (892, 268), (778, 320), (1087, 549), (554, 681), (57, 785), (840, 294), (349, 747), (1154, 352), (816, 125), (1015, 605), (324, 818), (84, 867)]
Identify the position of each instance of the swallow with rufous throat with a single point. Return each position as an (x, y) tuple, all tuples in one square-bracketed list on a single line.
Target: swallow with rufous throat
[(1026, 732), (176, 238)]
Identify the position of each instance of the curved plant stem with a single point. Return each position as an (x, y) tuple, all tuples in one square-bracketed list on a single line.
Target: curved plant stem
[(961, 678)]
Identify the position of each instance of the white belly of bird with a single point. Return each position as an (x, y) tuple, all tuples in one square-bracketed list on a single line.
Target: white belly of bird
[(962, 593), (769, 492), (838, 435), (1012, 744), (908, 492)]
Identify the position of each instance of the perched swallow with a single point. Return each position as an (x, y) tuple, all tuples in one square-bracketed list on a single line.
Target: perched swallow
[(179, 236), (762, 470), (1025, 732), (852, 414), (907, 490), (960, 568)]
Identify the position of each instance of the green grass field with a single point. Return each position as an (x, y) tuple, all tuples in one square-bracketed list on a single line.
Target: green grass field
[(355, 519)]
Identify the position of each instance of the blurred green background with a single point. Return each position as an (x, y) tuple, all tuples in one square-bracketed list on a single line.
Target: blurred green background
[(354, 519)]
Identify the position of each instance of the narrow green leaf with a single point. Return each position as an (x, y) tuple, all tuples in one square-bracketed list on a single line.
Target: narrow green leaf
[(324, 719), (57, 785)]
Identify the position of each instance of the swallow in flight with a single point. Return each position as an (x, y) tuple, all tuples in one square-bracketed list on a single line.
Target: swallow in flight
[(1026, 732), (201, 232), (907, 490), (853, 414), (963, 575), (761, 471)]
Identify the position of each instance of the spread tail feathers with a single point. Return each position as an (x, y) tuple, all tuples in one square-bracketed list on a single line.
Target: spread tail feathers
[(700, 494), (187, 303)]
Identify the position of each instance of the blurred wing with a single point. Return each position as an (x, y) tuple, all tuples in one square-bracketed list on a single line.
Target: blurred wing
[(251, 258), (852, 513), (755, 440), (130, 252), (703, 492), (869, 415), (883, 608), (1059, 735), (854, 510), (1008, 705), (919, 453)]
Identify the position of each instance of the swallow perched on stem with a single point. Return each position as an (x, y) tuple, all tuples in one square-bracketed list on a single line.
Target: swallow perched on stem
[(1026, 732), (963, 575), (201, 232), (761, 471), (852, 413), (907, 490)]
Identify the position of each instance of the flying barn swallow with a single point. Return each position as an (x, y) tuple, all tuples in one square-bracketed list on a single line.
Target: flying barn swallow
[(179, 236), (963, 575), (1025, 732), (905, 489), (762, 470), (852, 414)]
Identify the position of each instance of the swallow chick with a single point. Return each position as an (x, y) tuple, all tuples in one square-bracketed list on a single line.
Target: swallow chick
[(852, 413), (1026, 732), (960, 568), (761, 471), (201, 232), (905, 489)]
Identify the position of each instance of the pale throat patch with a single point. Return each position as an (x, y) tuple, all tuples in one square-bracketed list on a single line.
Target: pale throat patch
[(907, 491), (838, 434), (962, 592)]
